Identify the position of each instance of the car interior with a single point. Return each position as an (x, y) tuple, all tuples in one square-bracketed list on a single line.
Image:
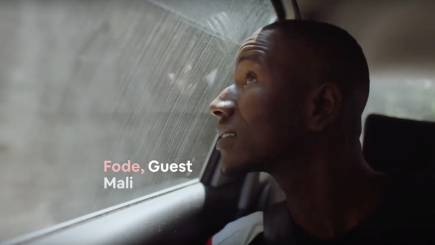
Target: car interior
[(398, 122)]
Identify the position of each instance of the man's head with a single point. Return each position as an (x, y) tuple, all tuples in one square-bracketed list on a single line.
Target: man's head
[(294, 82)]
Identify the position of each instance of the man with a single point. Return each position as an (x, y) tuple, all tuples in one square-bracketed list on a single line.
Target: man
[(294, 111)]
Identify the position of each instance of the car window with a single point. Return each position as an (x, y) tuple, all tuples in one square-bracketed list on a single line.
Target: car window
[(84, 82), (402, 95)]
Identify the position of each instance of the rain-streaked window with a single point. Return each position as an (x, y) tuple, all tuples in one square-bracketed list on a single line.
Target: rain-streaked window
[(83, 82)]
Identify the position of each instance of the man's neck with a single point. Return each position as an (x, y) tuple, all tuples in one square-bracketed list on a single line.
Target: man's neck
[(328, 193)]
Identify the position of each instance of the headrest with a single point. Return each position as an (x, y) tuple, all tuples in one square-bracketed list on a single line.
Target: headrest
[(394, 145)]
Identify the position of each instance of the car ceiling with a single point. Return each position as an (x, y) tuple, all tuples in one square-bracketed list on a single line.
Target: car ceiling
[(393, 34)]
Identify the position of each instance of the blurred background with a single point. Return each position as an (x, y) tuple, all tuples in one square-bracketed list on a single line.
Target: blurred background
[(82, 82)]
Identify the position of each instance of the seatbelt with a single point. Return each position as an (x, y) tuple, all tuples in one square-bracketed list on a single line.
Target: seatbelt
[(278, 226)]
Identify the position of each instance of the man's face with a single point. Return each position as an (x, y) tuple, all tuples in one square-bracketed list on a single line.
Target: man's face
[(259, 115)]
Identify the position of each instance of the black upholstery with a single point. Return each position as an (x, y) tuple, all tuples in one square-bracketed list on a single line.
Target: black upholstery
[(394, 145)]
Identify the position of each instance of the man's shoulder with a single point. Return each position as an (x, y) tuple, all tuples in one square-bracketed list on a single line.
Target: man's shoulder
[(241, 231)]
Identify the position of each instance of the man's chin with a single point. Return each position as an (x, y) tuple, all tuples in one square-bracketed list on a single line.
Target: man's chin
[(234, 168)]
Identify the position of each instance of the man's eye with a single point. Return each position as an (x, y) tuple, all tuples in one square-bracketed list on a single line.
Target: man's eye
[(250, 78)]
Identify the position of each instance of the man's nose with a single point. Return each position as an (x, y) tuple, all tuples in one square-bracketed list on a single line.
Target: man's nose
[(224, 104)]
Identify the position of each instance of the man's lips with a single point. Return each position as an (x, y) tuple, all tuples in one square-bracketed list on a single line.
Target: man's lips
[(225, 131), (227, 134)]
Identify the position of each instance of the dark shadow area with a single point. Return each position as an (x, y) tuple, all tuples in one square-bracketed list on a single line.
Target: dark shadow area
[(395, 145)]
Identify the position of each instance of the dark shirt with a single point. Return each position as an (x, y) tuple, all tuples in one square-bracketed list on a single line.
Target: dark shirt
[(405, 215)]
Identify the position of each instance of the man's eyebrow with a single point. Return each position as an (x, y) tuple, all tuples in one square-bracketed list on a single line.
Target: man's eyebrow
[(255, 57)]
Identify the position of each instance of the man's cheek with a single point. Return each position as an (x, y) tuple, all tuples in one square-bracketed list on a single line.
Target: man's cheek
[(255, 108)]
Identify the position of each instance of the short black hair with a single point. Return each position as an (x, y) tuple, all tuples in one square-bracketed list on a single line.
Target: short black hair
[(341, 58)]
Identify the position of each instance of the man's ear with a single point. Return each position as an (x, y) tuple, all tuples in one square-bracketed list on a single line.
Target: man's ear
[(324, 106)]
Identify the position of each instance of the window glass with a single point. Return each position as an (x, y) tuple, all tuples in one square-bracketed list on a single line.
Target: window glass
[(236, 20), (401, 95), (83, 82)]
